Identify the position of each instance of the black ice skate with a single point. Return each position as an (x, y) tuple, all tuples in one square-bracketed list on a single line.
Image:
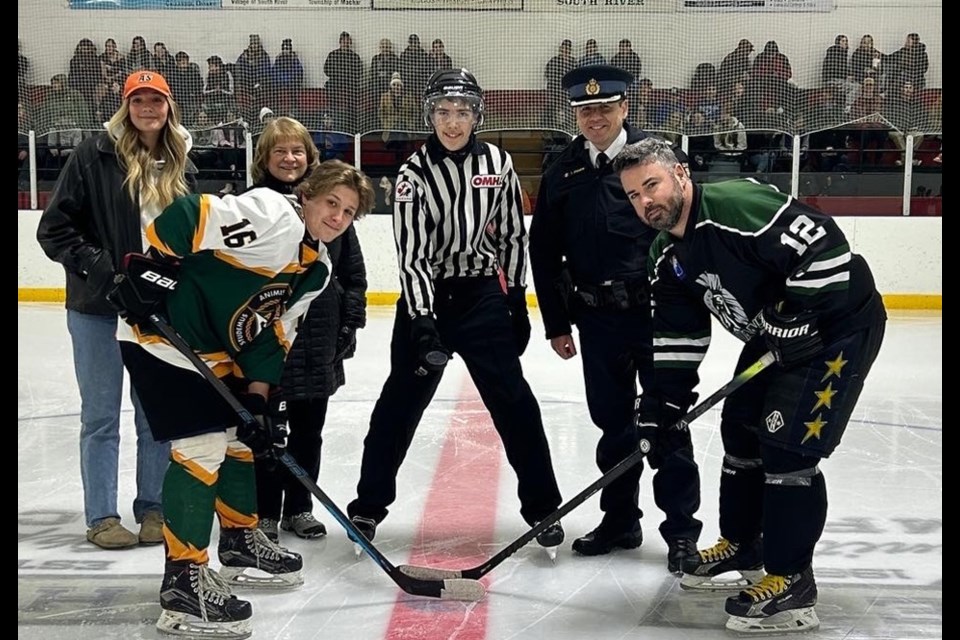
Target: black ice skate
[(366, 526), (551, 538), (196, 602), (704, 570), (249, 558), (777, 604)]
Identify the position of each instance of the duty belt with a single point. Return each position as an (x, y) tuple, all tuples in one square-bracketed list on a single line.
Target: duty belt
[(613, 294)]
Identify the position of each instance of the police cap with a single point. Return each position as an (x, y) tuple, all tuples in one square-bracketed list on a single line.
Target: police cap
[(596, 83)]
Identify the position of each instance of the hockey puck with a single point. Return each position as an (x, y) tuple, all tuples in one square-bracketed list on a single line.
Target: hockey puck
[(644, 446), (436, 358)]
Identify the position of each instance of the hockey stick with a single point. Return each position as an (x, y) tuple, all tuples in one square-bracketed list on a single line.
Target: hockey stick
[(452, 588), (642, 450)]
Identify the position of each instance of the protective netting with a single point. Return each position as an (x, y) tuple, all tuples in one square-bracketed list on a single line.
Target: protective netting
[(735, 80)]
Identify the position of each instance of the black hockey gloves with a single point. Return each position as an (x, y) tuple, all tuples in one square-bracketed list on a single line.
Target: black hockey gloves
[(431, 355), (519, 316), (268, 436), (656, 420), (792, 338), (141, 289)]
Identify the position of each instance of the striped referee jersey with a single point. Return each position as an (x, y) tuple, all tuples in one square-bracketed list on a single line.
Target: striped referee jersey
[(457, 216)]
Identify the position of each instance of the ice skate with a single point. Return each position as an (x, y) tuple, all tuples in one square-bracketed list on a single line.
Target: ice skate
[(550, 539), (249, 558), (366, 526), (705, 569), (775, 605), (304, 525), (196, 602)]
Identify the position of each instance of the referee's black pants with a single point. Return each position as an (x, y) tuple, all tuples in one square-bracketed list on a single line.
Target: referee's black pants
[(616, 347), (474, 322)]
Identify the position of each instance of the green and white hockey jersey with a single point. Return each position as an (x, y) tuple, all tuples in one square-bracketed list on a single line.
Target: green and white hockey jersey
[(248, 273), (747, 245)]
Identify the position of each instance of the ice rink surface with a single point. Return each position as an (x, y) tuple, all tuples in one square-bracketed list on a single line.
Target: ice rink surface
[(878, 565)]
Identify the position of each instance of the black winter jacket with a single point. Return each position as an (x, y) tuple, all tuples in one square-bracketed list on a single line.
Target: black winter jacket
[(91, 223), (312, 369)]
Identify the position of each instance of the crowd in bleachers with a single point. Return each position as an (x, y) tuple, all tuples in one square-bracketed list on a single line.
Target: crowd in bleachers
[(737, 111)]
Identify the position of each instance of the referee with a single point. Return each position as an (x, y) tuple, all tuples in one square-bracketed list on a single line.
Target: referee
[(458, 228)]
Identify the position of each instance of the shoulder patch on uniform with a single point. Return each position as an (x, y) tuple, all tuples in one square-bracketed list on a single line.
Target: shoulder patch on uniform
[(403, 191), (486, 181)]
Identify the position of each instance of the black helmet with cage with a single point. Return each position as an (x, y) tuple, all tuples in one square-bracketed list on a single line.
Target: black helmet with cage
[(452, 84)]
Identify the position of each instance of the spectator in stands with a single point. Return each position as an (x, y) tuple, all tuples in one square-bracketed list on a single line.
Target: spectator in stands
[(186, 84), (862, 62), (106, 101), (867, 108), (627, 59), (591, 54), (252, 75), (62, 107), (138, 57), (642, 110), (772, 68), (382, 67), (287, 73), (672, 129), (414, 66), (557, 111), (331, 143), (399, 112), (836, 72), (708, 103), (730, 139), (910, 62), (438, 57), (85, 70), (902, 110), (700, 140), (23, 70), (734, 100), (161, 60), (345, 72), (735, 66), (113, 62), (219, 91)]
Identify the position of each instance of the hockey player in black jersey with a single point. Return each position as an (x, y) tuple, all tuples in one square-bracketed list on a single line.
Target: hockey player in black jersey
[(780, 276), (458, 225)]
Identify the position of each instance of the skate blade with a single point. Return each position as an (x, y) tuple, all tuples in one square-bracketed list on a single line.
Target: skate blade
[(552, 552), (176, 623), (252, 578), (723, 582), (792, 621), (357, 551)]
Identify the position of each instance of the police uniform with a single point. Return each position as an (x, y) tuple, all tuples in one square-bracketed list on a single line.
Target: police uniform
[(588, 253), (459, 230)]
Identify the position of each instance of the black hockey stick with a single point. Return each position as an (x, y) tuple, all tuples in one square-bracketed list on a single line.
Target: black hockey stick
[(644, 447), (452, 588)]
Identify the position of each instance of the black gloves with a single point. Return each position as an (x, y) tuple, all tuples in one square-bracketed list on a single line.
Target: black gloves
[(346, 343), (519, 317), (96, 265), (431, 355), (142, 288), (267, 437), (656, 418), (792, 338)]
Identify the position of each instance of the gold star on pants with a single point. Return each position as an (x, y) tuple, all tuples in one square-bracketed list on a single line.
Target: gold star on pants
[(834, 367), (824, 397), (814, 428)]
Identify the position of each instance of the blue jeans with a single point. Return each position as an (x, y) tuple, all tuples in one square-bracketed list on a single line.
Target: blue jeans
[(99, 370)]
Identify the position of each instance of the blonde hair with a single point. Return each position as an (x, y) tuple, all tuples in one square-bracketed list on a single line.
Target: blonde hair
[(277, 130), (333, 173), (138, 162)]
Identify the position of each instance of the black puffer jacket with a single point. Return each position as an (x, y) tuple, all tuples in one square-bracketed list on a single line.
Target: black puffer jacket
[(91, 222), (312, 369)]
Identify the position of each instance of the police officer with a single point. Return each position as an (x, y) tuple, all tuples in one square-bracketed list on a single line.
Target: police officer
[(458, 225), (588, 253)]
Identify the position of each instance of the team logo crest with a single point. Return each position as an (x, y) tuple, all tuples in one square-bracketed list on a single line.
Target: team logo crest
[(403, 191), (726, 307), (262, 310), (593, 87), (486, 181), (774, 422)]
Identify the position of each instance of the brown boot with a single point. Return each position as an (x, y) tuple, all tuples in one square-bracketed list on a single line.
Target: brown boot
[(110, 534), (151, 528)]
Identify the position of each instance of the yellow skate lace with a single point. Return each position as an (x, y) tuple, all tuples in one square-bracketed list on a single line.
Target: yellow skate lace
[(769, 586), (720, 551)]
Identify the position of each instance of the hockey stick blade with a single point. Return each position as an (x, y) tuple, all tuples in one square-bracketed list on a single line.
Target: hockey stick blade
[(475, 573), (453, 588)]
